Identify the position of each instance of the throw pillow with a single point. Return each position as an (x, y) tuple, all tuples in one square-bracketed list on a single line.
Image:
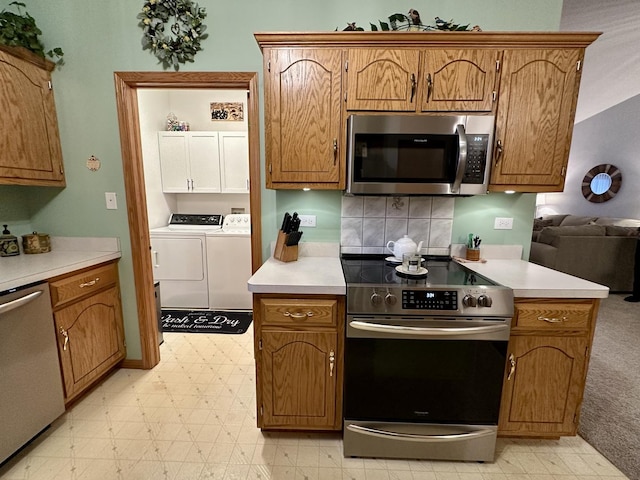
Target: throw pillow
[(575, 220), (539, 223)]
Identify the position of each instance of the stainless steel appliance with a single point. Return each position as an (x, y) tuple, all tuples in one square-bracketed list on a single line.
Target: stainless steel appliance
[(31, 395), (419, 155), (424, 360)]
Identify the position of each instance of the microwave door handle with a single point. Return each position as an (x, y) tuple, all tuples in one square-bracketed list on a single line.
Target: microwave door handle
[(462, 159)]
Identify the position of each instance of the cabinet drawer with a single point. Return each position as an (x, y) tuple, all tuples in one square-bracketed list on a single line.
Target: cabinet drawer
[(553, 316), (82, 284), (298, 312)]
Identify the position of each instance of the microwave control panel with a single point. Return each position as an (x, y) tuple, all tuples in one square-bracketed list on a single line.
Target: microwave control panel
[(477, 146)]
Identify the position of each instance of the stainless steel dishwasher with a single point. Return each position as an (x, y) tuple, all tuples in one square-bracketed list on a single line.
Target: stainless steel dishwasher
[(31, 395)]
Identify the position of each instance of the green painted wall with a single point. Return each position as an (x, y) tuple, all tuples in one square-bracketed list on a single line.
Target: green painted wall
[(101, 37)]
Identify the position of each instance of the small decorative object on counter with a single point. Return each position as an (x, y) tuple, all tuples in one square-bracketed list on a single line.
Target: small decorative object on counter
[(288, 238), (36, 243), (8, 244)]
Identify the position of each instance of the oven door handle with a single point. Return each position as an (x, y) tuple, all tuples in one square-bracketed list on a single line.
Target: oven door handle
[(450, 437), (440, 333)]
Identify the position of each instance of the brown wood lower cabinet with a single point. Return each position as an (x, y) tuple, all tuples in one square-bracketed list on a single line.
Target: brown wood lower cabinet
[(299, 345), (88, 320), (547, 364)]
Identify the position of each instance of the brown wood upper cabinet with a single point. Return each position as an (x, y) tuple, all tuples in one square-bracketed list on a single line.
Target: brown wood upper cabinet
[(313, 81), (303, 128), (538, 95), (31, 152), (413, 80)]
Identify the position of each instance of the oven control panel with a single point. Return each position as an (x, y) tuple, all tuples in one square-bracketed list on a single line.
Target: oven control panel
[(430, 299)]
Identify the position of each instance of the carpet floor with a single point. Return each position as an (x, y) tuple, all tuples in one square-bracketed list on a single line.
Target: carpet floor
[(610, 415)]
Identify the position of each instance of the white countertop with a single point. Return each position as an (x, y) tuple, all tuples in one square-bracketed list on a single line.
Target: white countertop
[(66, 255), (317, 271), (532, 280)]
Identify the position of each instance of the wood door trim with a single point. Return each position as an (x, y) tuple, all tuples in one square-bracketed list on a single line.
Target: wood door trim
[(126, 85)]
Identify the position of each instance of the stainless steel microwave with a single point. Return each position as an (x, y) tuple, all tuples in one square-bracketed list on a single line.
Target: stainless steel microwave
[(419, 155)]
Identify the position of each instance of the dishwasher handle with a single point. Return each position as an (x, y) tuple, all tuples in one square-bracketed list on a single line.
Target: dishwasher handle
[(19, 302)]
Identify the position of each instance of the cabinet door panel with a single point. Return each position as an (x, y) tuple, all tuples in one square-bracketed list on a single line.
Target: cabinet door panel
[(299, 383), (459, 80), (538, 93), (382, 79), (204, 162), (174, 162), (29, 112), (545, 389), (90, 339), (234, 162), (303, 131)]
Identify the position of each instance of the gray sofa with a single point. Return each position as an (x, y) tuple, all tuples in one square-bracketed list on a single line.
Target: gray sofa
[(599, 249)]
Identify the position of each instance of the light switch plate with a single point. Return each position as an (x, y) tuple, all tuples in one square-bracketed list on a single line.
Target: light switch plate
[(112, 202)]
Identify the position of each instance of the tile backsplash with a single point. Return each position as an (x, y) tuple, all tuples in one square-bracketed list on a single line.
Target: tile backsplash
[(369, 223)]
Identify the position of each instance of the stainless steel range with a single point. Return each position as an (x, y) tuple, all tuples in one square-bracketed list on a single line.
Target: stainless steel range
[(424, 360)]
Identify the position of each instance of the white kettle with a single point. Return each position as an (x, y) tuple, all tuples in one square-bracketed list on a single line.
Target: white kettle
[(402, 246)]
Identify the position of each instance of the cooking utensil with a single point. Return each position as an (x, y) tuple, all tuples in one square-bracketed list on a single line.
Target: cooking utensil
[(286, 223)]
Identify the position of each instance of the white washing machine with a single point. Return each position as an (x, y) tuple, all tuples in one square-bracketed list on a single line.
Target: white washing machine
[(229, 264), (179, 258)]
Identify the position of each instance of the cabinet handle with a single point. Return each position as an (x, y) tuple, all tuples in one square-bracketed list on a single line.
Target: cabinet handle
[(298, 316), (335, 150), (429, 86), (512, 370), (155, 257), (553, 319), (64, 333), (332, 360), (499, 152), (413, 87), (90, 283)]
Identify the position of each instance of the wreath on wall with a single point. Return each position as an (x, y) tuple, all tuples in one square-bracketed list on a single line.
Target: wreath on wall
[(182, 41)]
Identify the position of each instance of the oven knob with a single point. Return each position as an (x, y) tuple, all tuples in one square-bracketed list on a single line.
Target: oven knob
[(376, 299), (484, 301), (469, 301), (390, 299)]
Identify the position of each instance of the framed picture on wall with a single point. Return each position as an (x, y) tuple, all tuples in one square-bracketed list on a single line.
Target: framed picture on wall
[(227, 111)]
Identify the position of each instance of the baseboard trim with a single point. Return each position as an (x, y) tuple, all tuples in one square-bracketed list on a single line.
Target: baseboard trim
[(128, 363)]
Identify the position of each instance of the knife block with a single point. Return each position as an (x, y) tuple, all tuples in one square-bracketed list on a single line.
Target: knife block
[(283, 252)]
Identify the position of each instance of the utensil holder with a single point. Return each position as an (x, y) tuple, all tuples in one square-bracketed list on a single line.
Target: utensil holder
[(473, 254), (283, 252)]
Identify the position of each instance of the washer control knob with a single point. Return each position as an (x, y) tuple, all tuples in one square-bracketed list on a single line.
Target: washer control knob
[(390, 299), (469, 301), (484, 301), (376, 299)]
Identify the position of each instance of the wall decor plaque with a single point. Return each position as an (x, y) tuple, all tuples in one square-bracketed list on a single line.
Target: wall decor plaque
[(227, 111)]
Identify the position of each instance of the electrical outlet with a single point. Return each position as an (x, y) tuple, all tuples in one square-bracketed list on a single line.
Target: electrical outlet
[(307, 220), (503, 223), (110, 198)]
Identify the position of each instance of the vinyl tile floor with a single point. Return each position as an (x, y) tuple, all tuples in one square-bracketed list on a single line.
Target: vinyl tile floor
[(193, 417)]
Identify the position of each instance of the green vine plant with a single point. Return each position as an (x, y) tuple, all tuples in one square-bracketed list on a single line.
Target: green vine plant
[(412, 23), (20, 30)]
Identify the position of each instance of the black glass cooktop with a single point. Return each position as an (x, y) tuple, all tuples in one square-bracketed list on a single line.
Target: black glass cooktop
[(374, 269)]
